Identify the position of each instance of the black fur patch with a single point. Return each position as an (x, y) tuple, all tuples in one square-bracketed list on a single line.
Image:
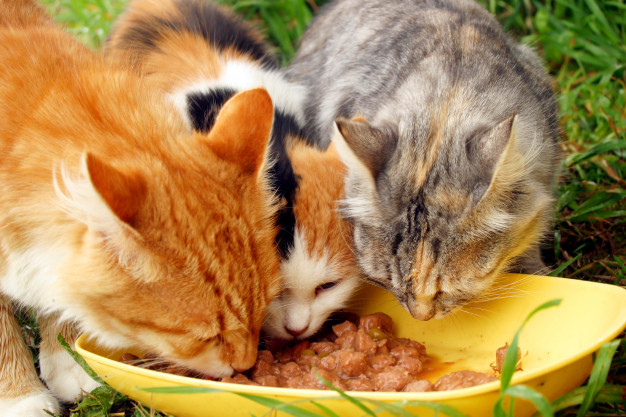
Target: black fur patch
[(286, 125), (283, 180), (206, 19), (416, 215), (203, 107)]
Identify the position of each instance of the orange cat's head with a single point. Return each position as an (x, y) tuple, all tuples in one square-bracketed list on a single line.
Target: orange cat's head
[(178, 251)]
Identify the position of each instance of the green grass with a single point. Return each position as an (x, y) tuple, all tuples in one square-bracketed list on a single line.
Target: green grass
[(584, 45)]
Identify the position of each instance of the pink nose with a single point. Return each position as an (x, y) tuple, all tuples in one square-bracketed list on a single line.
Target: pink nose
[(296, 332)]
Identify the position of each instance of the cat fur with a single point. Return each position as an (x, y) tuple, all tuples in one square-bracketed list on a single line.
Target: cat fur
[(116, 220), (197, 68), (450, 133)]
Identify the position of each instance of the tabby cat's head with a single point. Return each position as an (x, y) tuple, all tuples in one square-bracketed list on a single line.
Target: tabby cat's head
[(178, 252), (440, 209)]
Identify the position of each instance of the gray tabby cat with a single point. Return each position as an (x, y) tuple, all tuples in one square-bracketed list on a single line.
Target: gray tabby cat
[(449, 129)]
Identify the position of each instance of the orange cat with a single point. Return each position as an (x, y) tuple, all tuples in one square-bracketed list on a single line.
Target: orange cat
[(199, 54), (116, 220)]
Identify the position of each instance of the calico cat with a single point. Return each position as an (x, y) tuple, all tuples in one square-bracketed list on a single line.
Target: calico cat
[(321, 273), (117, 221), (200, 53), (449, 130)]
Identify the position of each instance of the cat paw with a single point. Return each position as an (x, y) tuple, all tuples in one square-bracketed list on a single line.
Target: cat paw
[(65, 378), (30, 405)]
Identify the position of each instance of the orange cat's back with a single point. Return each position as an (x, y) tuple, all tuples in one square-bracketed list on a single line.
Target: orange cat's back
[(21, 13), (199, 53), (115, 218)]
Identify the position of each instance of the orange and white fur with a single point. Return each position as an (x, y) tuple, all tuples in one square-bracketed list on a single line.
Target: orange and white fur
[(196, 50), (116, 220), (320, 275)]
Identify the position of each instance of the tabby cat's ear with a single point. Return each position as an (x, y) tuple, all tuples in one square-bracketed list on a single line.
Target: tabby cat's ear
[(242, 130), (502, 163), (373, 147)]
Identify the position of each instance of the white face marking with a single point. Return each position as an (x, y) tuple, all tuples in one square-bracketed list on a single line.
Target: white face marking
[(301, 306)]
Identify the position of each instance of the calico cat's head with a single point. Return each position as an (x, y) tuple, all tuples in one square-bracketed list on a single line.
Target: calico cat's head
[(320, 273), (178, 252), (440, 209)]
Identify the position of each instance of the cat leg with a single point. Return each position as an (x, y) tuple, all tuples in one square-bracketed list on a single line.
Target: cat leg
[(65, 378), (21, 392)]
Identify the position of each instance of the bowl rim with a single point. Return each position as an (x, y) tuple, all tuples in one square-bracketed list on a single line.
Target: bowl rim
[(518, 378)]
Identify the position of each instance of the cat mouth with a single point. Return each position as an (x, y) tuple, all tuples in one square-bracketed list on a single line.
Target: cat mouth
[(208, 364)]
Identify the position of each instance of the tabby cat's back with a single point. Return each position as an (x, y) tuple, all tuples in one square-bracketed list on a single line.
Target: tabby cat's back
[(116, 219), (449, 130)]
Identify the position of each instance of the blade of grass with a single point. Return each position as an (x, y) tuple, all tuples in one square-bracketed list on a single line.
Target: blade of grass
[(353, 400), (326, 410), (437, 407), (600, 148), (529, 394), (392, 409), (279, 32), (563, 266), (79, 359), (608, 394), (510, 360), (270, 403), (274, 404), (597, 379)]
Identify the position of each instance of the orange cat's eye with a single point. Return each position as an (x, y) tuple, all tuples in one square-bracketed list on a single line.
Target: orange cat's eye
[(207, 340), (325, 286)]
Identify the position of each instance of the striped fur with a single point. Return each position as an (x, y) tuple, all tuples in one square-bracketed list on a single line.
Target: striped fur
[(199, 53), (318, 271), (449, 131), (116, 220)]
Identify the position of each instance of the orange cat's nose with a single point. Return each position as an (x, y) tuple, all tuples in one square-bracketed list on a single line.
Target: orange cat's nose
[(240, 349), (296, 332)]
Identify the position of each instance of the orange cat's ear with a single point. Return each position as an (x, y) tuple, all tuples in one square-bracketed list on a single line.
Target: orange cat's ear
[(100, 196), (360, 143), (332, 153), (123, 193), (242, 130), (332, 149)]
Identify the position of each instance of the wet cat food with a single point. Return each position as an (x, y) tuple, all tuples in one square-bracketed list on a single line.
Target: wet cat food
[(501, 354), (359, 354)]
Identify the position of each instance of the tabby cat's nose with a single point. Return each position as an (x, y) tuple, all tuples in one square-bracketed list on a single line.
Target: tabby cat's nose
[(296, 332)]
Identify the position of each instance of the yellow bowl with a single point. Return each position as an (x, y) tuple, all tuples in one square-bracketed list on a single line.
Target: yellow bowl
[(556, 344)]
